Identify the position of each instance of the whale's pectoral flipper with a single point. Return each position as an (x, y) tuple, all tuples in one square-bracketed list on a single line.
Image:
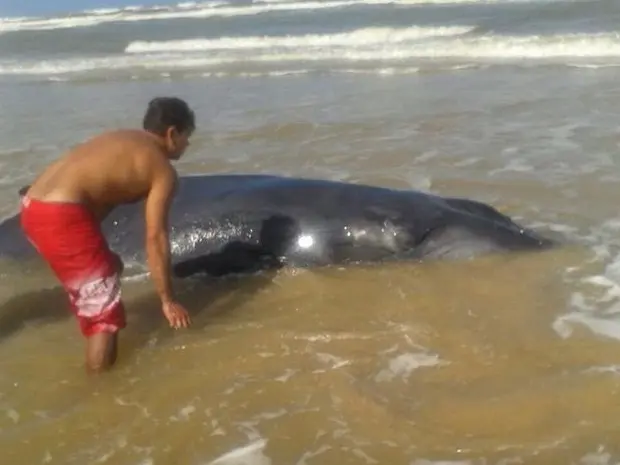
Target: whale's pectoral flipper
[(235, 258), (276, 235)]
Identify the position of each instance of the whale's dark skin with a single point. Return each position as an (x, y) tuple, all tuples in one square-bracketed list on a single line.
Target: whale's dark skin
[(224, 224)]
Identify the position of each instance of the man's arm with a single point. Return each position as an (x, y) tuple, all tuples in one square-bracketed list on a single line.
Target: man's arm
[(157, 243)]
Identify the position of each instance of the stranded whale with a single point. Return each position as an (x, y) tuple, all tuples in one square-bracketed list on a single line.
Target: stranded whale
[(224, 224)]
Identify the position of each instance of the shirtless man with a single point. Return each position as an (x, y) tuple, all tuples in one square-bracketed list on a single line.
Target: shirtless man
[(62, 210)]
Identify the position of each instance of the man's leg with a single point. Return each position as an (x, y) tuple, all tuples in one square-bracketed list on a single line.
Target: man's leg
[(101, 350)]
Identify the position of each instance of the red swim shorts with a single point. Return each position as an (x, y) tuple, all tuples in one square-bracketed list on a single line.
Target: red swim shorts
[(70, 240)]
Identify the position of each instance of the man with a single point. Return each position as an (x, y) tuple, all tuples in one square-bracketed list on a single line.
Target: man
[(62, 210)]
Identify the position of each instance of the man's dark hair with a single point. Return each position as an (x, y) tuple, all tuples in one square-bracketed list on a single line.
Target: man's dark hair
[(163, 112)]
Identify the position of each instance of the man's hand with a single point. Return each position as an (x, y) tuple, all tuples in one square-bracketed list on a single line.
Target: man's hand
[(176, 315)]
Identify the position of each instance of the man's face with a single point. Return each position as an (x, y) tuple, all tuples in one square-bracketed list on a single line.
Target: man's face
[(177, 142)]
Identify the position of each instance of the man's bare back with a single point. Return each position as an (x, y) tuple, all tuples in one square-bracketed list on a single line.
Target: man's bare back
[(63, 208), (110, 169)]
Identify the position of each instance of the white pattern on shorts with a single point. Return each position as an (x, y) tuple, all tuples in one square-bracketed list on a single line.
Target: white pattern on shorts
[(94, 297)]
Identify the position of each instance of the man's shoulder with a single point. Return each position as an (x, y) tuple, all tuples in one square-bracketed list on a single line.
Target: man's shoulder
[(157, 165), (125, 136), (137, 144)]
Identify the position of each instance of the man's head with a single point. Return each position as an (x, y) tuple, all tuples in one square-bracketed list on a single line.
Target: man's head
[(171, 119)]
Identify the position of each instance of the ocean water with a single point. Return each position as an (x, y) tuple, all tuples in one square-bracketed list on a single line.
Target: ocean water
[(502, 360)]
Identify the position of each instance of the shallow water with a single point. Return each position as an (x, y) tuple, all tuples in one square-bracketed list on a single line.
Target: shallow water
[(378, 364), (491, 361), (502, 360)]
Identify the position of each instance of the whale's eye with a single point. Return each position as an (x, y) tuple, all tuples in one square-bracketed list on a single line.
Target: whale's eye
[(305, 241)]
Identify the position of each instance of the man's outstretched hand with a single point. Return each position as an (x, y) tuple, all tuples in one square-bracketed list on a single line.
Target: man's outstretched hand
[(176, 315)]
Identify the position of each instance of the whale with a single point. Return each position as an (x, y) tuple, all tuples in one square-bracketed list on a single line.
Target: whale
[(238, 223)]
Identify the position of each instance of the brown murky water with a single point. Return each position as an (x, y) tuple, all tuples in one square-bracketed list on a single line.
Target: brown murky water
[(502, 360), (396, 363)]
